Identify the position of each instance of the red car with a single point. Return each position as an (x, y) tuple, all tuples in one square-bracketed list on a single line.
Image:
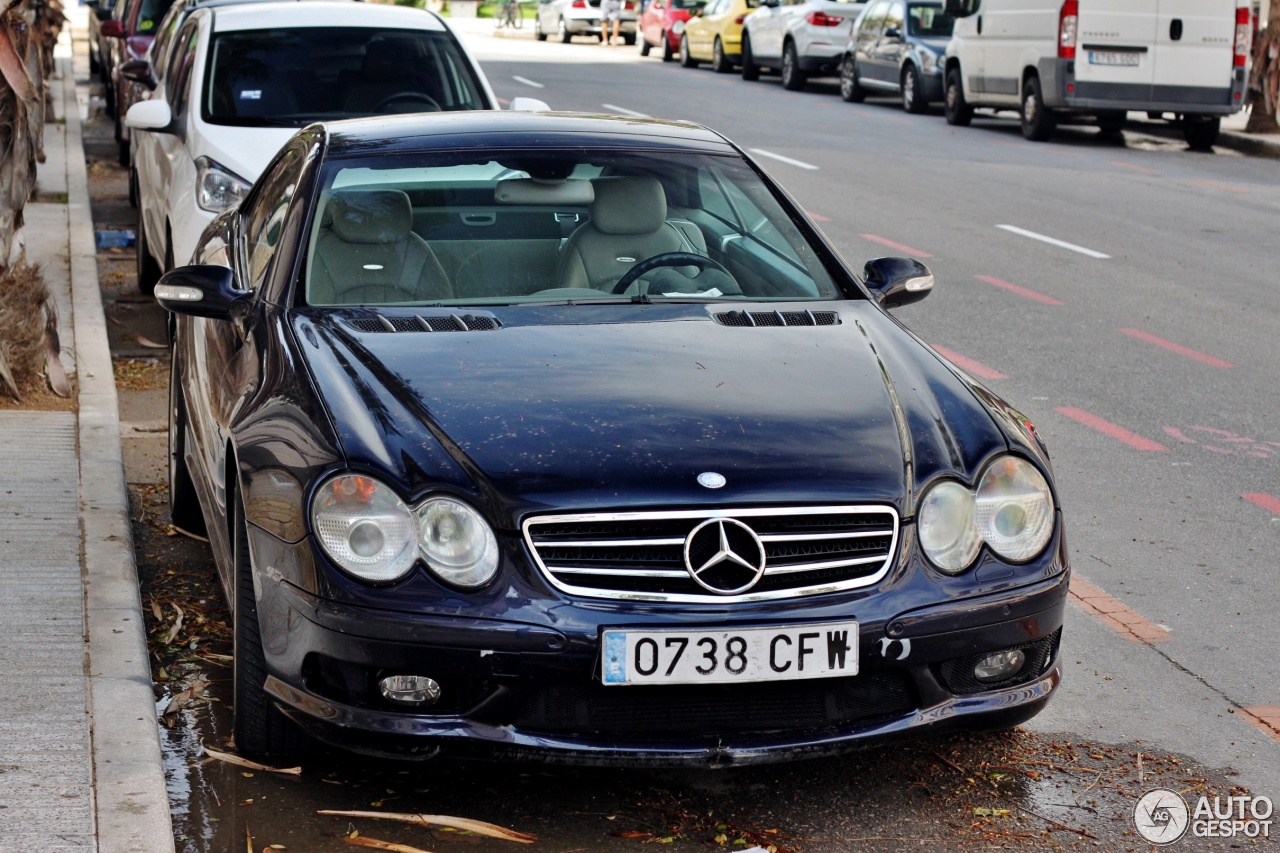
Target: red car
[(661, 24), (128, 34)]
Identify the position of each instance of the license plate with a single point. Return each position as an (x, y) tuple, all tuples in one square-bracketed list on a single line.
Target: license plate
[(1114, 57), (730, 656)]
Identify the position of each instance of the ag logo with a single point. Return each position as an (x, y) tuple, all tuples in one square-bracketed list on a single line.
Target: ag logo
[(1161, 816)]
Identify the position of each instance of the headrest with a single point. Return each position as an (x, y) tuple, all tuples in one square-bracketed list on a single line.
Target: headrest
[(531, 191), (371, 216), (628, 205)]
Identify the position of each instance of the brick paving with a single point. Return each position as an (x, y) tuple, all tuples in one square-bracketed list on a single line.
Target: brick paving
[(1127, 622)]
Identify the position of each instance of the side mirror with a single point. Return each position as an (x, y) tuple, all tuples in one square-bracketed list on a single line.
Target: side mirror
[(525, 105), (961, 8), (153, 115), (139, 71), (112, 29), (202, 291), (890, 33), (897, 281)]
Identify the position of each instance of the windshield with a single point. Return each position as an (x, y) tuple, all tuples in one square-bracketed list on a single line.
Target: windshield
[(291, 77), (554, 226), (929, 22)]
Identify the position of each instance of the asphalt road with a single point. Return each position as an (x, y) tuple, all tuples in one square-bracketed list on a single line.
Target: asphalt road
[(1147, 352), (1148, 361)]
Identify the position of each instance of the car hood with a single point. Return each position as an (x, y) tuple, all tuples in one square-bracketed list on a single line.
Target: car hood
[(591, 407), (244, 150)]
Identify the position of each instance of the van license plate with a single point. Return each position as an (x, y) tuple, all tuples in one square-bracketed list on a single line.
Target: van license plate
[(1114, 57), (722, 656)]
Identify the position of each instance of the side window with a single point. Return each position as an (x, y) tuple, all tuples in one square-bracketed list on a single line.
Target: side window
[(895, 17), (180, 68), (713, 198), (757, 226), (875, 19), (264, 218), (164, 38)]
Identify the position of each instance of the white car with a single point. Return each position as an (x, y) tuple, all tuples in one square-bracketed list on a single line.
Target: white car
[(241, 80), (798, 38)]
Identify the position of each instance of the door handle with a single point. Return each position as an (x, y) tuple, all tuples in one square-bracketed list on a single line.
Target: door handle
[(1175, 29), (979, 25)]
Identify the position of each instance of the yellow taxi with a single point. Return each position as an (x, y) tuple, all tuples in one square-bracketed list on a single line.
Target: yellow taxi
[(715, 35)]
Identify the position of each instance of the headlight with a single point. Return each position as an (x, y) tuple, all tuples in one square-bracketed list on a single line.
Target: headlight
[(1014, 509), (678, 28), (1011, 510), (217, 187), (946, 529), (928, 60), (365, 527), (458, 545)]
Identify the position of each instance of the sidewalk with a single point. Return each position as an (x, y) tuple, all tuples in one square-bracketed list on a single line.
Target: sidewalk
[(1232, 136), (79, 753)]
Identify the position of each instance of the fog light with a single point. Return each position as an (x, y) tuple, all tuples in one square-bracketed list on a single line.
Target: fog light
[(997, 666), (410, 689)]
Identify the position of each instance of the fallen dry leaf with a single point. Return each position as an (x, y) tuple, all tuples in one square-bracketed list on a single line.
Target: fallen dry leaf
[(252, 765), (181, 700), (362, 841), (477, 826), (143, 340), (177, 624)]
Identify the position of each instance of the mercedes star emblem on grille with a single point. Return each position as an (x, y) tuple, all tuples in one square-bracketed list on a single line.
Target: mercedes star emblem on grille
[(724, 556)]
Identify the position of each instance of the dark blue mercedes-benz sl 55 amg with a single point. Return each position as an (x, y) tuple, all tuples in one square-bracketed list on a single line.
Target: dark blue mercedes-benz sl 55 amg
[(570, 438)]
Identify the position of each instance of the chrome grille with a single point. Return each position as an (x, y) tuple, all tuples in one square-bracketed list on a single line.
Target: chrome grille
[(640, 555)]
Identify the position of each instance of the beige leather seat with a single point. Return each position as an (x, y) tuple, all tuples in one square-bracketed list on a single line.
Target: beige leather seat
[(628, 224), (367, 253)]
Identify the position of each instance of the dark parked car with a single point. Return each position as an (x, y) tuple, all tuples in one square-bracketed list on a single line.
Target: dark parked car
[(896, 48), (100, 11), (129, 33), (567, 437)]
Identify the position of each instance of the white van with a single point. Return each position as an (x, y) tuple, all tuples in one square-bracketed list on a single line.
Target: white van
[(1052, 59)]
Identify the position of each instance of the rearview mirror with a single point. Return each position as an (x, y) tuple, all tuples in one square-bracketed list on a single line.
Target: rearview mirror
[(898, 281), (961, 8), (153, 115), (530, 105), (202, 291), (139, 71)]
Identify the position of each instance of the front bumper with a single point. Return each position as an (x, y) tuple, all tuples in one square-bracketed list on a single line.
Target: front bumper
[(530, 692)]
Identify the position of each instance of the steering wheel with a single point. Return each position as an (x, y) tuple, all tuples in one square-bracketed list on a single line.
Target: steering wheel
[(419, 97), (668, 259)]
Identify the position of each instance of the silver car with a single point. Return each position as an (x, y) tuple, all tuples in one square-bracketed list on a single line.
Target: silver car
[(799, 39), (569, 18)]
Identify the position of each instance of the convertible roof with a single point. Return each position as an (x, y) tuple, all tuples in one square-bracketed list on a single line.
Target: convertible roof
[(514, 129)]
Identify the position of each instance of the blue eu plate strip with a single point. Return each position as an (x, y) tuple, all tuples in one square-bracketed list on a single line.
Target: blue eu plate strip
[(615, 658)]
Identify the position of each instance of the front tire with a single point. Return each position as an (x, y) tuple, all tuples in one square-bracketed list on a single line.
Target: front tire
[(1038, 121), (913, 99), (793, 79), (686, 60), (850, 89), (668, 55), (184, 505), (644, 45), (133, 188), (565, 35), (537, 29), (260, 729), (148, 271), (750, 71), (1201, 133), (959, 112)]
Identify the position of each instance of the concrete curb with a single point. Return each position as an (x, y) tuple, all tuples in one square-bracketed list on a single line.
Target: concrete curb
[(130, 794)]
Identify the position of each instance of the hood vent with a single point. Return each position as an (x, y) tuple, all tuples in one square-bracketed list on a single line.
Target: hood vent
[(778, 318), (426, 323)]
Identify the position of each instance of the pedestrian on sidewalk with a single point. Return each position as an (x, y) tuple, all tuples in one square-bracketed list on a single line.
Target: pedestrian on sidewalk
[(610, 12)]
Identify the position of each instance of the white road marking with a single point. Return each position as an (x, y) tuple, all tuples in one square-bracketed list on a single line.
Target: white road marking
[(623, 111), (1013, 229), (779, 157), (528, 82)]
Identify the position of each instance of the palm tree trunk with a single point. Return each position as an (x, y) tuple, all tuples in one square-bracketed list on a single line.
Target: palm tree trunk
[(1264, 80)]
